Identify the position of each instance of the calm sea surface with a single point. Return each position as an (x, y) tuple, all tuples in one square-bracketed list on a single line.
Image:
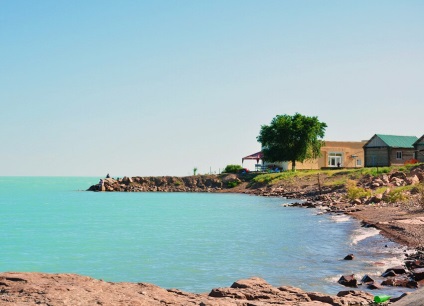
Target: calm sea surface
[(190, 241)]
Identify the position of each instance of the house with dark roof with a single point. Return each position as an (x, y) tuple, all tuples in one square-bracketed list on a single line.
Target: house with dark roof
[(419, 149), (387, 150)]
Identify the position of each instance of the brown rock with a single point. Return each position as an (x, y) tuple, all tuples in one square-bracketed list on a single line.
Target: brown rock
[(418, 274), (374, 286), (357, 201), (413, 180), (397, 270), (348, 281), (400, 281), (398, 174), (366, 279), (72, 289), (377, 198)]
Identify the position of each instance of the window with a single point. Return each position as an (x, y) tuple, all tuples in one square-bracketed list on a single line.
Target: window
[(399, 155), (358, 162), (334, 159)]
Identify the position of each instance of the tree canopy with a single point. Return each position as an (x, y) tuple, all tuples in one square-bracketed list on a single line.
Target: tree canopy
[(292, 138)]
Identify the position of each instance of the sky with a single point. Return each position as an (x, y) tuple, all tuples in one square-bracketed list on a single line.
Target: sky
[(162, 87)]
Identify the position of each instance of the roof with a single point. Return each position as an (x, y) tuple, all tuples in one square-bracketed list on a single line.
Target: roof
[(419, 141), (258, 155), (394, 141)]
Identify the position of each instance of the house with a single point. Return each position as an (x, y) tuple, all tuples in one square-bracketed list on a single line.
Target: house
[(387, 150), (419, 149), (334, 154)]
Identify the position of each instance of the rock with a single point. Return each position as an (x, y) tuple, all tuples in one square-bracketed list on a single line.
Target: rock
[(348, 281), (385, 179), (397, 270), (398, 174), (397, 182), (126, 180), (400, 281), (377, 198), (357, 201), (374, 286), (388, 273), (418, 274), (366, 279), (349, 257), (413, 180), (72, 289), (419, 172), (375, 185)]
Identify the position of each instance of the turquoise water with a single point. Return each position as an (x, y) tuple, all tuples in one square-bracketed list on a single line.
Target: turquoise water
[(191, 241)]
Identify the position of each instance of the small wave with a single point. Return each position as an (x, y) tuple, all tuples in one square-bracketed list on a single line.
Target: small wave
[(363, 233), (388, 262), (340, 218)]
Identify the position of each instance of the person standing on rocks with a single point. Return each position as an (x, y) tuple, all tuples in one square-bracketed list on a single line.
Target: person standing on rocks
[(100, 184)]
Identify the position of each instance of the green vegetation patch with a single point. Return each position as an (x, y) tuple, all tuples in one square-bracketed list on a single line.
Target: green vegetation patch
[(355, 192), (232, 168), (271, 178), (398, 194), (232, 184)]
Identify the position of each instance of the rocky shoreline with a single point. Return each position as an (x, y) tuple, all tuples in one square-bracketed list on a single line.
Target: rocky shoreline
[(71, 289), (401, 223)]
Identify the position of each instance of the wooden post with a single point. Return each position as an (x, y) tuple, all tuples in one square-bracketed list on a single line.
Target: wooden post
[(319, 184)]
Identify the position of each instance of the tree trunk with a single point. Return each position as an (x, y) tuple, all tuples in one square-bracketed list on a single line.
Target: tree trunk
[(293, 165)]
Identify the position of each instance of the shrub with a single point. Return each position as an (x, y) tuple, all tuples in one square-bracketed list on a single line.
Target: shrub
[(396, 195), (355, 192), (232, 184), (232, 168)]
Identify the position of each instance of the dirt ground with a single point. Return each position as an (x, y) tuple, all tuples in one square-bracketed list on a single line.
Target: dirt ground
[(399, 223)]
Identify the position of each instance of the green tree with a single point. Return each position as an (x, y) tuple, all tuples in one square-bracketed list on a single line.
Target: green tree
[(194, 170), (292, 138)]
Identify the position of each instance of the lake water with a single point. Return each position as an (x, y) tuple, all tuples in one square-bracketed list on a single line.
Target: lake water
[(190, 241)]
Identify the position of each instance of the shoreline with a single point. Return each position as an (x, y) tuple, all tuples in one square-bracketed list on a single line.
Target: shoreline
[(392, 220), (400, 223)]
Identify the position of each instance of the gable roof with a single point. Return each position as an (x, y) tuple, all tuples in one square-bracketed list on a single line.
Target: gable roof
[(419, 141), (392, 141), (256, 156)]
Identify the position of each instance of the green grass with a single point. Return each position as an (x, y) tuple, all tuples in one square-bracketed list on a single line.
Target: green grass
[(270, 178), (337, 182), (340, 176)]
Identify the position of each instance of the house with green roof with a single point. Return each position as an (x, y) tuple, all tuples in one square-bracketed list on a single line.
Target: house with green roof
[(419, 149), (388, 150)]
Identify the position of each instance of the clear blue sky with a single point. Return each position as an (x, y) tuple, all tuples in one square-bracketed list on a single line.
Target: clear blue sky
[(161, 87)]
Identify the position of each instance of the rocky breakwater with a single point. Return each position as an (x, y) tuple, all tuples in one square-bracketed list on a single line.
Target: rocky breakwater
[(198, 183), (72, 289)]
